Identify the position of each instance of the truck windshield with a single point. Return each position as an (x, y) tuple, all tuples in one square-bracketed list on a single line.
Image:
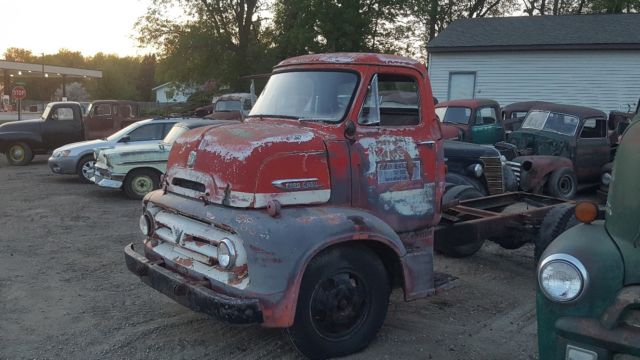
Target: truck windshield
[(174, 133), (550, 121), (307, 95), (228, 105), (454, 114)]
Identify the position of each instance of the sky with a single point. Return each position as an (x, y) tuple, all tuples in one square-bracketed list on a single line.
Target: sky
[(88, 26)]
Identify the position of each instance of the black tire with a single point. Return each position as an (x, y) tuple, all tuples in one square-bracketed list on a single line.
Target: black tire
[(458, 179), (343, 301), (555, 222), (19, 154), (85, 169), (562, 184), (451, 247), (139, 182)]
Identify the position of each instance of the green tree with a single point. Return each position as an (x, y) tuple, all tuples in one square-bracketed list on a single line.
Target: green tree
[(145, 79), (217, 39)]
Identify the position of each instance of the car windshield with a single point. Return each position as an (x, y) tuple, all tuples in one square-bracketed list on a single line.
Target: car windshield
[(124, 131), (307, 95), (550, 121), (174, 133), (228, 105), (454, 114)]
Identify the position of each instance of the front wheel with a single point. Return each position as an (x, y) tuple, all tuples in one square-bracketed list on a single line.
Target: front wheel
[(563, 184), (19, 154), (342, 303), (86, 169), (140, 182)]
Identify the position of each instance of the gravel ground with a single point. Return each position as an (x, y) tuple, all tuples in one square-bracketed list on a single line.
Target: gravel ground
[(65, 292)]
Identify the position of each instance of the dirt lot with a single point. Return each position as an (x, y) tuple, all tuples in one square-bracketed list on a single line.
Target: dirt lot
[(65, 292)]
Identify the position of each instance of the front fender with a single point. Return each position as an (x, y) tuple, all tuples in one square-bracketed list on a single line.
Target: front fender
[(279, 248), (536, 168), (34, 140)]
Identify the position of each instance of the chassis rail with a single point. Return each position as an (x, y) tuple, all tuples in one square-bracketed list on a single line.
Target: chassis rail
[(515, 214)]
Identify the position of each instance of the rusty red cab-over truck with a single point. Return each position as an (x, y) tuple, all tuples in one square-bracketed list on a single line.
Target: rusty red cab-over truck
[(309, 213)]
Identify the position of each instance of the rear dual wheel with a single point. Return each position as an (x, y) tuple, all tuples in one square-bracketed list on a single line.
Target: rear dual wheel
[(342, 303)]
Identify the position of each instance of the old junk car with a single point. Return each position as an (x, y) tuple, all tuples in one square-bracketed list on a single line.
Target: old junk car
[(559, 149)]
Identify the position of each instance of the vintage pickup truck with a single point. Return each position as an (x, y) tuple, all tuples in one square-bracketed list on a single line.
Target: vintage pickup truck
[(63, 123)]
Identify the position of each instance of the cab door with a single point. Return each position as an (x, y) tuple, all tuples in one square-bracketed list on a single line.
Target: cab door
[(592, 150), (486, 128), (394, 151), (100, 121), (62, 126)]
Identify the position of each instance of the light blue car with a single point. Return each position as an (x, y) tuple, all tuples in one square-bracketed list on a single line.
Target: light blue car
[(78, 158)]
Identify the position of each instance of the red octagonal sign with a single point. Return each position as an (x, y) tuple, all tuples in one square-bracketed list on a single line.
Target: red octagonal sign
[(19, 92)]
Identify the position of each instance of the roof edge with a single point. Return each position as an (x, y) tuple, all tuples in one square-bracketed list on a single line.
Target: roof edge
[(445, 49)]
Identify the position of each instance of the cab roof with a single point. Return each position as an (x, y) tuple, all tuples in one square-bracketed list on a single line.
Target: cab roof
[(579, 111), (347, 58), (471, 103)]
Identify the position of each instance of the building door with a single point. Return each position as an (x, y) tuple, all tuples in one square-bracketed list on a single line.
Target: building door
[(462, 85)]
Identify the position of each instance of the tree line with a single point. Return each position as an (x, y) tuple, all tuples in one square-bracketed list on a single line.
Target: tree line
[(219, 42)]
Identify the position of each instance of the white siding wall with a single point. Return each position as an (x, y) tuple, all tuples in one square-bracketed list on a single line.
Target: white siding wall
[(605, 80)]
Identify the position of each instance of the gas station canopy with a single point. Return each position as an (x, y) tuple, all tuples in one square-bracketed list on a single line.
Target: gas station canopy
[(13, 68)]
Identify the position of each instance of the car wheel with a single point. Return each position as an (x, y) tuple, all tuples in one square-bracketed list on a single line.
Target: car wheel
[(19, 154), (555, 222), (342, 303), (139, 182), (459, 247), (562, 184), (86, 169)]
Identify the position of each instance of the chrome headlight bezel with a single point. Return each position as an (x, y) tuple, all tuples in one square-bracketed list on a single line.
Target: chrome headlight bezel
[(606, 179), (573, 264), (476, 170), (146, 224), (227, 254)]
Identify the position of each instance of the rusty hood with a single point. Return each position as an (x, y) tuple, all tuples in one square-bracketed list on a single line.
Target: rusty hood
[(248, 165)]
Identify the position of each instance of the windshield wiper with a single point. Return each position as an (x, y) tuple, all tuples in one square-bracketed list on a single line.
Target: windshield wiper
[(274, 116)]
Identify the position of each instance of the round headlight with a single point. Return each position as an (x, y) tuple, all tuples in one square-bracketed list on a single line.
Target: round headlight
[(145, 224), (226, 254), (606, 178), (562, 278), (475, 169)]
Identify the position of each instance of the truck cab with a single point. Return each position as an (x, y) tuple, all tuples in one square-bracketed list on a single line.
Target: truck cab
[(306, 215), (471, 120), (589, 277)]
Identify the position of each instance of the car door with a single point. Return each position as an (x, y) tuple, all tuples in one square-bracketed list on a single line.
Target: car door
[(394, 152), (592, 149), (62, 126), (147, 133), (486, 128)]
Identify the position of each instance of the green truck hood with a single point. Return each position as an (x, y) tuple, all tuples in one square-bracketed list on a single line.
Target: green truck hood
[(539, 142), (623, 205)]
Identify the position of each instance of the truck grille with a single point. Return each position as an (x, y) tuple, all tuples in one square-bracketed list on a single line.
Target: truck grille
[(493, 174), (516, 167)]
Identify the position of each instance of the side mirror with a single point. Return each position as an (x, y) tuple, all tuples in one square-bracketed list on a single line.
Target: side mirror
[(54, 116), (125, 139)]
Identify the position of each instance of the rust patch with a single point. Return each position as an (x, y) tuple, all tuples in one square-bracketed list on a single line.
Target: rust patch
[(183, 262)]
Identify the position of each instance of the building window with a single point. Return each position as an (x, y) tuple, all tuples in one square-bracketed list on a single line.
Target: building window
[(462, 85)]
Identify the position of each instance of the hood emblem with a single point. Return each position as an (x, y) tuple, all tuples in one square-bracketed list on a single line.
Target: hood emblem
[(192, 159)]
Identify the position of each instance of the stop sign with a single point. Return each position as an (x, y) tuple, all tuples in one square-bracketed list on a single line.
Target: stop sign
[(19, 92)]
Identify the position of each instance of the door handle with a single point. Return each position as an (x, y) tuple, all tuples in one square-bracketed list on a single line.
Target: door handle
[(428, 143)]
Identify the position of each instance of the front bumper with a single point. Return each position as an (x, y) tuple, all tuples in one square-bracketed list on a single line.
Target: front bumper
[(105, 178), (63, 165), (192, 295)]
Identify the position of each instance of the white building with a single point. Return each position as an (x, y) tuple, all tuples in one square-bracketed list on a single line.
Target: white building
[(173, 92), (588, 60)]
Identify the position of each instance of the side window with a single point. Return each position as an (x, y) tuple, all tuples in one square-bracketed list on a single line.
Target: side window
[(103, 109), (147, 132), (594, 128), (126, 112), (486, 116), (392, 100), (166, 128), (63, 113)]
